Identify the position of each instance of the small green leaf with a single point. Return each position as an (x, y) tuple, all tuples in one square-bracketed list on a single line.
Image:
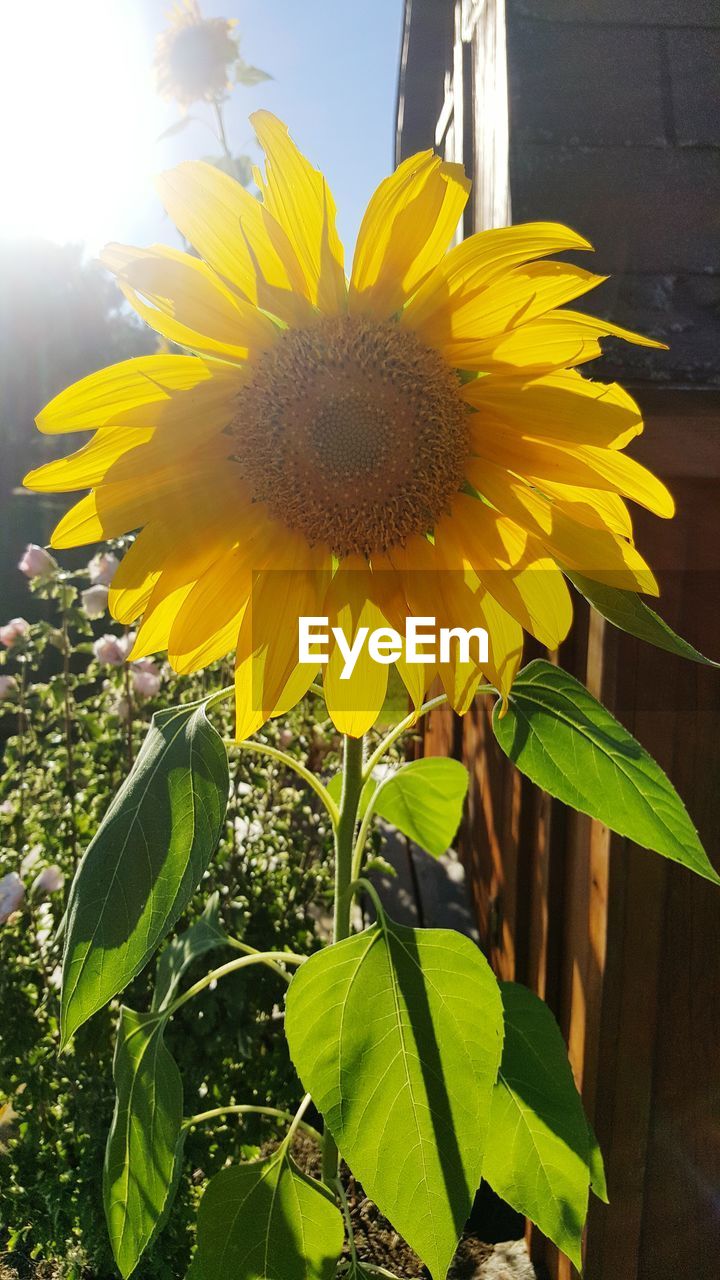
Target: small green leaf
[(204, 935), (267, 1221), (249, 76), (537, 1153), (596, 1165), (146, 860), (142, 1158), (627, 611), (572, 747), (397, 1035), (424, 800)]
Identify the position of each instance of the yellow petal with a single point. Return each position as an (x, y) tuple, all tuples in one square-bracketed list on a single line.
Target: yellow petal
[(181, 298), (353, 703), (267, 646), (89, 465), (559, 340), (512, 566), (104, 397), (297, 196), (470, 267), (561, 406), (584, 465), (237, 236), (599, 508), (596, 553), (408, 225), (512, 300)]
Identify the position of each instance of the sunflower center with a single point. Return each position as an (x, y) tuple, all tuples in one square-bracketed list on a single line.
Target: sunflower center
[(353, 433)]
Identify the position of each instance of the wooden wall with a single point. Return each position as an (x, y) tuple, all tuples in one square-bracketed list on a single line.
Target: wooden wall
[(624, 946)]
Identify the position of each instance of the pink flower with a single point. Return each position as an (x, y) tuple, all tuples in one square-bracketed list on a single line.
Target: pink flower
[(113, 650), (50, 880), (285, 738), (14, 630), (37, 562), (12, 892), (146, 678), (102, 568), (94, 601), (8, 687)]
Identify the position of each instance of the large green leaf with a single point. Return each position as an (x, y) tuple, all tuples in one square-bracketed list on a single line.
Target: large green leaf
[(629, 612), (142, 1158), (145, 861), (538, 1149), (267, 1221), (202, 936), (569, 744), (424, 800), (397, 1035)]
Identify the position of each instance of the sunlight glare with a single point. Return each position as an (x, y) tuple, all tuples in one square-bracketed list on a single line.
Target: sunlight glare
[(80, 118)]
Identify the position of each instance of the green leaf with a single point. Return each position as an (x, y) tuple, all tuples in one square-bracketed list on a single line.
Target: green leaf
[(142, 1158), (627, 611), (596, 1164), (424, 800), (146, 860), (397, 1034), (204, 935), (537, 1153), (267, 1221), (247, 75), (569, 744)]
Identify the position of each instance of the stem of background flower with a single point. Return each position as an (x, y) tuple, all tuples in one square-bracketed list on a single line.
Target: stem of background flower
[(260, 957), (129, 715), (243, 1109), (352, 784), (70, 758), (264, 749), (222, 137)]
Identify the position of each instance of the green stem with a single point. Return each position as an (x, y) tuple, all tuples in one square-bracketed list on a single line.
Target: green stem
[(352, 784), (261, 957), (297, 1121), (340, 1191), (247, 950), (263, 749), (242, 1109)]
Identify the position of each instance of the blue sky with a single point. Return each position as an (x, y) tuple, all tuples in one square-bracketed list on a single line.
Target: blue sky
[(86, 146)]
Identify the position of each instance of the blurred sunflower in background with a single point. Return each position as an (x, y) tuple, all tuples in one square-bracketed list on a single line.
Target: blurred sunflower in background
[(415, 441), (194, 56)]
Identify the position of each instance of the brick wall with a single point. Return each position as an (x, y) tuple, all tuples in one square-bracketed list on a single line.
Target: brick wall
[(615, 129)]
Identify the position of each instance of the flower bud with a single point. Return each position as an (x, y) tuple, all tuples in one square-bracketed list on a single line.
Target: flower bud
[(102, 568), (50, 880), (146, 678), (8, 687), (14, 630), (37, 562), (12, 892), (94, 601)]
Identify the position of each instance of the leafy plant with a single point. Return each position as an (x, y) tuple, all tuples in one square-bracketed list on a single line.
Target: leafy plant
[(428, 1074)]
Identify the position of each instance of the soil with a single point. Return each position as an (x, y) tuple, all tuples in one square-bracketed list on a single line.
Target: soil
[(377, 1242)]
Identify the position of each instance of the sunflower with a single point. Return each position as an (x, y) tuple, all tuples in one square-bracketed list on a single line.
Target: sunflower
[(414, 442), (193, 54)]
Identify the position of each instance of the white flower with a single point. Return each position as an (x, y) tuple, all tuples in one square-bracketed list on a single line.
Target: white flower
[(37, 562), (50, 880), (102, 568), (12, 892), (146, 678), (8, 688), (7, 808), (285, 738), (113, 650), (94, 601), (14, 630)]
